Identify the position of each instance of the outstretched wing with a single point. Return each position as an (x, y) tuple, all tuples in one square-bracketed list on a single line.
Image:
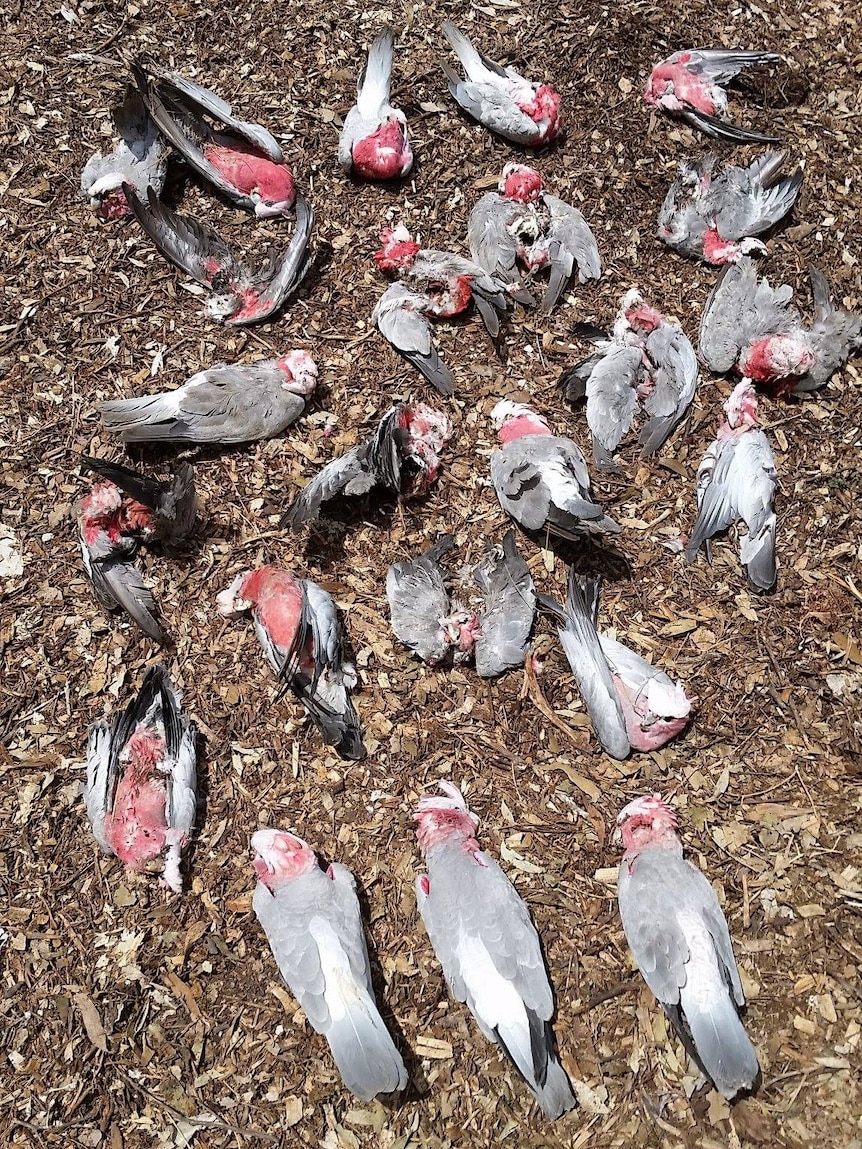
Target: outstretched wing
[(510, 606), (193, 247), (400, 321), (571, 244)]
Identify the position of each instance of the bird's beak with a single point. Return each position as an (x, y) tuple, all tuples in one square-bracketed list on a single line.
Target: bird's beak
[(617, 837)]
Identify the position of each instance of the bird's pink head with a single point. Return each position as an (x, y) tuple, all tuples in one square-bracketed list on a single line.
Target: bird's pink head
[(398, 250), (639, 315), (274, 193), (461, 629), (240, 596), (103, 501), (521, 183), (544, 110), (280, 857), (515, 420), (647, 821), (428, 431), (440, 819), (741, 407), (777, 357), (300, 372), (660, 91)]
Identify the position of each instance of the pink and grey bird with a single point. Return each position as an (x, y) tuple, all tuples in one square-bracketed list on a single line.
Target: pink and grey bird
[(434, 285), (108, 531), (433, 626), (690, 85), (713, 215), (404, 449), (139, 159), (500, 98), (240, 296), (374, 143), (541, 479), (736, 479), (632, 704), (228, 403), (154, 510), (299, 631), (681, 943), (647, 366), (756, 329), (242, 161), (487, 945), (312, 921), (523, 224), (141, 787)]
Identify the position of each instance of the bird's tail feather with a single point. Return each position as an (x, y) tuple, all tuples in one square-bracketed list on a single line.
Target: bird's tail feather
[(364, 1052), (375, 86), (723, 1048)]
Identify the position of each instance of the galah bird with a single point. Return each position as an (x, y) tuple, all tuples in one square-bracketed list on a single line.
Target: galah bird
[(299, 631), (434, 284), (154, 510), (736, 479), (541, 479), (487, 945), (681, 944), (242, 161), (648, 364), (374, 143), (632, 704), (228, 403), (312, 921), (500, 98), (690, 85), (756, 329), (408, 442), (240, 296), (714, 215), (141, 788), (522, 223), (425, 620), (109, 542), (140, 159)]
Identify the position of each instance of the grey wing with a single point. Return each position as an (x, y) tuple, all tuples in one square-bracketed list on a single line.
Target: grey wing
[(721, 65), (220, 109), (189, 244), (648, 896), (295, 951), (611, 394), (510, 606), (727, 315), (181, 805), (328, 482), (519, 485), (418, 599), (101, 780), (756, 197), (833, 335), (674, 377), (492, 246), (409, 331), (718, 493), (122, 582), (571, 244), (348, 923), (289, 271)]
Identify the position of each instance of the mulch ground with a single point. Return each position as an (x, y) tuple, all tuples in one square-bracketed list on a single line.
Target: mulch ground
[(134, 1018)]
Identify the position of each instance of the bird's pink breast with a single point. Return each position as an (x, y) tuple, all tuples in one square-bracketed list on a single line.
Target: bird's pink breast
[(686, 87), (277, 599), (249, 171), (137, 828), (382, 155)]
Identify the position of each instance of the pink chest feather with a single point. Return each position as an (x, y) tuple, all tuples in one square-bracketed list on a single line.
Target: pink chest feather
[(381, 155), (520, 427), (138, 828)]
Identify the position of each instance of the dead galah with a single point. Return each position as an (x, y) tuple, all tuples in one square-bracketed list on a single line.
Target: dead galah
[(736, 479), (541, 479), (374, 143), (298, 628), (312, 921), (155, 510), (407, 443), (438, 285), (690, 85), (522, 224), (714, 215), (432, 626), (756, 329), (487, 945), (647, 366), (632, 704), (228, 403), (109, 542), (141, 787), (140, 159), (240, 296), (242, 161), (500, 98), (679, 938)]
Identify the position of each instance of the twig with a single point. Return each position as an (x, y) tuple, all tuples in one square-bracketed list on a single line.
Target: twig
[(605, 995), (541, 703)]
